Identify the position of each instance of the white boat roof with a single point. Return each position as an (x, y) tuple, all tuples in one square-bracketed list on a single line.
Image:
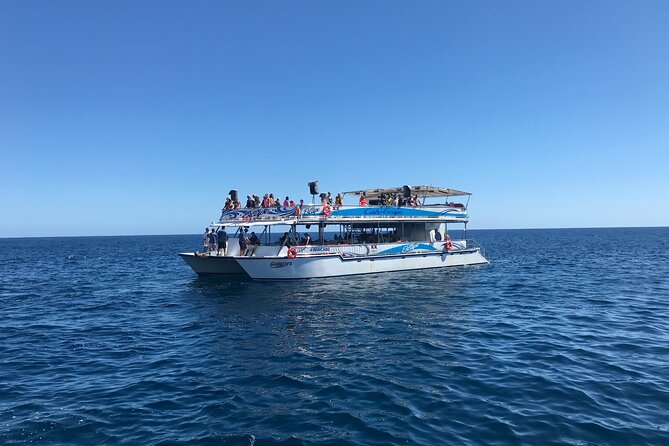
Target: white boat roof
[(422, 191)]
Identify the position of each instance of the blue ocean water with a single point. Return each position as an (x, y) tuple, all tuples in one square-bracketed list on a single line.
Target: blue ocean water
[(563, 339)]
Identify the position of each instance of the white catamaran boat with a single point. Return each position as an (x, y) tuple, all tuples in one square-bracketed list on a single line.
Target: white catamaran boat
[(345, 240)]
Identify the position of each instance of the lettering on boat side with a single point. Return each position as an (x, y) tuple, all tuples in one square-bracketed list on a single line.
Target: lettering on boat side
[(316, 249), (280, 264), (410, 247), (385, 210)]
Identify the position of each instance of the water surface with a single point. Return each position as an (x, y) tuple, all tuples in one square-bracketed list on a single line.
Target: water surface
[(563, 339)]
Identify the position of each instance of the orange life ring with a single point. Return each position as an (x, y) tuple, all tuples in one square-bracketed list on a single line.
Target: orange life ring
[(326, 210), (292, 253)]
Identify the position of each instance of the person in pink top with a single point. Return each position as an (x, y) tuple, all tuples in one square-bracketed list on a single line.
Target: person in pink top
[(286, 202), (363, 200)]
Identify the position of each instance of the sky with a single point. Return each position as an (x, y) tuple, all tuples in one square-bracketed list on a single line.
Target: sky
[(131, 117)]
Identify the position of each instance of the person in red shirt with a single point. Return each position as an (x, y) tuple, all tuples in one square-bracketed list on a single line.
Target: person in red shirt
[(363, 200)]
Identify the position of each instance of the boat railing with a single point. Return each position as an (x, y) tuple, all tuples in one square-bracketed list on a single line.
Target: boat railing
[(471, 243), (310, 212)]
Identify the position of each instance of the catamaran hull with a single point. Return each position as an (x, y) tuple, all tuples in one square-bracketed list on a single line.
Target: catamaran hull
[(205, 265), (278, 268)]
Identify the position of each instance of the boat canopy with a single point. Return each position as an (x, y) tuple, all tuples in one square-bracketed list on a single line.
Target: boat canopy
[(422, 191)]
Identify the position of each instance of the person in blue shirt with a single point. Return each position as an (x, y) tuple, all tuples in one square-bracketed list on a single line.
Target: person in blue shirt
[(212, 241), (222, 241)]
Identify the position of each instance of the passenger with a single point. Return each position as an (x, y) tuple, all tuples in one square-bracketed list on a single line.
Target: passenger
[(271, 200), (300, 208), (329, 198), (254, 242), (222, 241), (205, 243), (213, 241), (265, 201), (236, 205), (416, 200), (363, 200), (306, 241), (286, 202), (243, 241), (324, 200), (228, 204), (389, 200), (292, 204), (400, 200), (339, 200), (283, 239), (249, 202)]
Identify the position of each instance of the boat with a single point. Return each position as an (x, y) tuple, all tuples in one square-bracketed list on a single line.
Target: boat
[(348, 240)]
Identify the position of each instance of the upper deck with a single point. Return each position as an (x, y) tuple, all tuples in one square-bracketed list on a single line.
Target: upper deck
[(345, 214), (375, 210)]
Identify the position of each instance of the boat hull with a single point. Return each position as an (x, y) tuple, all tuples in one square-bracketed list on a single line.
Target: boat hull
[(206, 265), (283, 268)]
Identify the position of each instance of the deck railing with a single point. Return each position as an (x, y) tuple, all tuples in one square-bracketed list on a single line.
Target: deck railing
[(320, 212)]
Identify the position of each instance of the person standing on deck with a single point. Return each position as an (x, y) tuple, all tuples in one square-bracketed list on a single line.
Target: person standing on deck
[(363, 200), (222, 241), (254, 242), (205, 243), (213, 241), (243, 241)]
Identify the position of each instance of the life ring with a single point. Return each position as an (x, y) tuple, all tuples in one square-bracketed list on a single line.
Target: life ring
[(448, 245), (326, 210), (292, 253)]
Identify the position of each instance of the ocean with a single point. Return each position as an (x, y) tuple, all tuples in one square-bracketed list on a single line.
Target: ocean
[(562, 339)]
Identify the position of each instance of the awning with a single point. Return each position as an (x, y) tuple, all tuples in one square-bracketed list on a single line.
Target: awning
[(421, 191)]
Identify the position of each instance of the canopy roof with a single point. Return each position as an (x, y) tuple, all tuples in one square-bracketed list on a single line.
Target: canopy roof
[(422, 191)]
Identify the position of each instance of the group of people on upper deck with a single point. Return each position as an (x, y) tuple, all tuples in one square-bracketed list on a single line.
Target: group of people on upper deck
[(269, 201), (390, 200)]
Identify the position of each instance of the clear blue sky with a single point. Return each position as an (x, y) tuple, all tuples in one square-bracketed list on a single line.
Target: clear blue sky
[(137, 117)]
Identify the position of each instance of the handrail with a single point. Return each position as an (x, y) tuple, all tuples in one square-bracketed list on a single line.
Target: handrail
[(310, 212)]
